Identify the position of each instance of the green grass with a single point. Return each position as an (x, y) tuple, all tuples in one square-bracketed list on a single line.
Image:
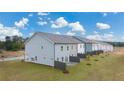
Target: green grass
[(102, 67)]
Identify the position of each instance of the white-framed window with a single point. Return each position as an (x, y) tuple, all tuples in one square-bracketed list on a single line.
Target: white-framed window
[(41, 47), (35, 57), (61, 48), (67, 48)]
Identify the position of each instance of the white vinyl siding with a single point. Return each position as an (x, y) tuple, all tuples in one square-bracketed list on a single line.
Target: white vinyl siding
[(66, 52), (40, 49)]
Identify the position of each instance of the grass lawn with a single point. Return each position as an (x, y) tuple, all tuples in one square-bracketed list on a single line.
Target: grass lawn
[(102, 67)]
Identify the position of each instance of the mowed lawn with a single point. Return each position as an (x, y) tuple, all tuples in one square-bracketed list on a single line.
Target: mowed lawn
[(100, 67)]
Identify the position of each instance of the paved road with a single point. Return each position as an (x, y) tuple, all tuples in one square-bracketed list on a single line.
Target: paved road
[(12, 58)]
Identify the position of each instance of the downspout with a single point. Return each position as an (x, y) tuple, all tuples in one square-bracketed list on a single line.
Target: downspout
[(54, 54), (85, 47)]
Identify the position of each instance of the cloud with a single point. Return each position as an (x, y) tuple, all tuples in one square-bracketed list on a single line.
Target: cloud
[(123, 37), (58, 33), (95, 32), (8, 31), (51, 21), (111, 32), (43, 13), (104, 37), (22, 23), (30, 34), (59, 23), (76, 26), (102, 26), (104, 14), (108, 37), (115, 12), (30, 15), (40, 18), (94, 37), (41, 23), (70, 33), (49, 18)]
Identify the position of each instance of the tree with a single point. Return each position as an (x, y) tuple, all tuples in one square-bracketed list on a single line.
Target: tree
[(14, 43)]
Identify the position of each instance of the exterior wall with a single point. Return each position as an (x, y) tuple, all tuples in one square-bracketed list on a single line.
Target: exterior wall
[(95, 47), (65, 53), (81, 48), (88, 47), (112, 48), (39, 50)]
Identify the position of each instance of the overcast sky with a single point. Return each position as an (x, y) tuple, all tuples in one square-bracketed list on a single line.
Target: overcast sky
[(92, 25)]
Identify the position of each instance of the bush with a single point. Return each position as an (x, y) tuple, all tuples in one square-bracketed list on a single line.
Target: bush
[(88, 64), (65, 71), (96, 60), (102, 56)]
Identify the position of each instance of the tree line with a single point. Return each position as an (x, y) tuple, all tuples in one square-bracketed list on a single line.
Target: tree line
[(15, 43), (12, 43), (117, 44)]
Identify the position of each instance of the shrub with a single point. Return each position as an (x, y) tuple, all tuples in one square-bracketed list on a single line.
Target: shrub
[(65, 71), (88, 64), (96, 60)]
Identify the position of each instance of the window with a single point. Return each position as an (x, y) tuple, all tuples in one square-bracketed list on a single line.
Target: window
[(57, 59), (35, 57), (72, 47), (67, 48), (32, 59), (61, 48), (41, 47), (62, 59)]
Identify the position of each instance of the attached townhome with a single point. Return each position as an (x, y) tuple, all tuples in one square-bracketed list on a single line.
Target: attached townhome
[(88, 45), (105, 47), (46, 48), (109, 47)]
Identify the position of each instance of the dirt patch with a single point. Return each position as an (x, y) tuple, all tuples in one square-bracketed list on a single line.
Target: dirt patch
[(5, 54), (119, 51)]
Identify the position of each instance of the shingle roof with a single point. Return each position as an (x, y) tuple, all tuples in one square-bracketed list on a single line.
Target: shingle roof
[(84, 40), (59, 38)]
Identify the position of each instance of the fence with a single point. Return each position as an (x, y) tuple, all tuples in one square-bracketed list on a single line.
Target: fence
[(81, 55), (60, 65), (94, 52), (74, 59)]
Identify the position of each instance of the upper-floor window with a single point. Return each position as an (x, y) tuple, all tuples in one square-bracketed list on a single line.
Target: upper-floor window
[(41, 47), (61, 48), (67, 48), (35, 57)]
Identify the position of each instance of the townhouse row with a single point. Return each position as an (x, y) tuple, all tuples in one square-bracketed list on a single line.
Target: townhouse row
[(46, 48)]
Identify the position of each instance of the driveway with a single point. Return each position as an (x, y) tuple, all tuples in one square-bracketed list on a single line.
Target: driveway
[(11, 58)]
